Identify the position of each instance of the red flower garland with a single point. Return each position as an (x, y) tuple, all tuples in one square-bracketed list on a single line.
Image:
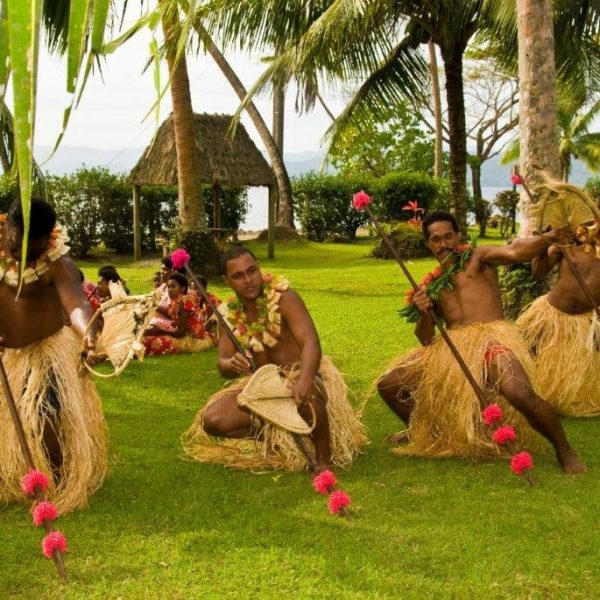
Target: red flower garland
[(504, 434), (34, 479), (44, 511), (55, 540), (337, 501), (323, 481), (521, 462)]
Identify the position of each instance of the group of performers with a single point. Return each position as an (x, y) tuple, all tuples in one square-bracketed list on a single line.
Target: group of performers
[(545, 364)]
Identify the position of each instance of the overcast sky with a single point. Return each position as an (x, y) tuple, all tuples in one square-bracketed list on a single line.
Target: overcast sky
[(110, 114)]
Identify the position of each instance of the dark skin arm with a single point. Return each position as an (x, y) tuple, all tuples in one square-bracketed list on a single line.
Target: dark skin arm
[(231, 363), (521, 250), (68, 285), (424, 328), (303, 329), (542, 264), (180, 326)]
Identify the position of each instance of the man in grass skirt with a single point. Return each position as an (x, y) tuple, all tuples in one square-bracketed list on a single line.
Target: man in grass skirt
[(426, 387), (562, 329), (58, 405), (272, 324)]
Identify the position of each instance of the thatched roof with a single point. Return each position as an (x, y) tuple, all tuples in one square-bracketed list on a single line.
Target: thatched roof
[(230, 162)]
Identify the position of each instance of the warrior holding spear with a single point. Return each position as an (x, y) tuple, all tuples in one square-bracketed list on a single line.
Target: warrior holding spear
[(562, 327), (59, 406), (425, 387), (272, 326)]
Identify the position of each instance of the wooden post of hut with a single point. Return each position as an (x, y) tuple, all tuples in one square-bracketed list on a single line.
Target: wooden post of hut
[(271, 222), (216, 194), (137, 227)]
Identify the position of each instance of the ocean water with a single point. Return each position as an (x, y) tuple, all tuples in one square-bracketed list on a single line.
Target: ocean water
[(258, 199)]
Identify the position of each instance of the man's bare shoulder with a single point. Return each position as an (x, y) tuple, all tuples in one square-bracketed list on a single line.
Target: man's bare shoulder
[(63, 269), (290, 299)]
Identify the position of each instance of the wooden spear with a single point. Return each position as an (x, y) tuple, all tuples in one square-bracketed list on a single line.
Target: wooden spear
[(39, 494), (225, 327), (586, 290)]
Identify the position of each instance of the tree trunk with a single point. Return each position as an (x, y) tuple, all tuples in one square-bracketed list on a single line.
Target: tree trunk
[(284, 186), (539, 136), (457, 132), (285, 210), (565, 167), (476, 179), (192, 216), (437, 110)]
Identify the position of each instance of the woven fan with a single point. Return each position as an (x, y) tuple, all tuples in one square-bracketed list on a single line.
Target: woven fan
[(561, 204), (125, 320), (268, 396)]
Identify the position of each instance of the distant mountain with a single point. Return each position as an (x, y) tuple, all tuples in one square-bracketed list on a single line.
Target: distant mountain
[(70, 158), (493, 174)]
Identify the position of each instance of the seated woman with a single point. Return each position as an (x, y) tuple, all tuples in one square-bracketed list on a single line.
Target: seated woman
[(90, 290), (106, 274), (187, 332)]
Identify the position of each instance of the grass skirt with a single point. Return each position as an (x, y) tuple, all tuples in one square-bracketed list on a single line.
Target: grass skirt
[(273, 447), (446, 419), (53, 364), (567, 355)]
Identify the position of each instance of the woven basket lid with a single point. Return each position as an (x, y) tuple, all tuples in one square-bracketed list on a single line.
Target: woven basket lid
[(268, 396)]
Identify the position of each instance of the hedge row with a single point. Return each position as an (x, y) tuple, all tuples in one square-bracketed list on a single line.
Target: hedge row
[(323, 202)]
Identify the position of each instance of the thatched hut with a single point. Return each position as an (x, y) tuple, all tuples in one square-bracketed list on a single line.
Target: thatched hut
[(222, 161)]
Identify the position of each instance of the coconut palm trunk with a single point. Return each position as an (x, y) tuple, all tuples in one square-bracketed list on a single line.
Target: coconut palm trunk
[(284, 187), (285, 211), (453, 69), (437, 109), (539, 139), (192, 216)]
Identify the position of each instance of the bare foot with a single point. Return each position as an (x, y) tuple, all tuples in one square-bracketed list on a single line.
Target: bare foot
[(571, 464), (323, 466), (398, 437)]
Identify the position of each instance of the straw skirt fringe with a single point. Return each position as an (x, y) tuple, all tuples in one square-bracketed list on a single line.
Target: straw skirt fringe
[(446, 419), (273, 447), (566, 351), (52, 365)]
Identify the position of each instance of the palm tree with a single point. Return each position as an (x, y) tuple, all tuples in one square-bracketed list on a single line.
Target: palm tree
[(378, 42), (192, 216)]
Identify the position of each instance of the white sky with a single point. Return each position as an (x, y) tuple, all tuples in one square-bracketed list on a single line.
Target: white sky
[(110, 113)]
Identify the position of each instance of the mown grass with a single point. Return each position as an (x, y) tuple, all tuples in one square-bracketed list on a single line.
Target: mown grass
[(163, 527)]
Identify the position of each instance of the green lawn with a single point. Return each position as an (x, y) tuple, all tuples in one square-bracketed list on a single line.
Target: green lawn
[(163, 527)]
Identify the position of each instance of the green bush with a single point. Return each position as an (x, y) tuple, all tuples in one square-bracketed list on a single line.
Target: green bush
[(395, 190), (592, 187), (407, 239), (519, 288), (323, 204)]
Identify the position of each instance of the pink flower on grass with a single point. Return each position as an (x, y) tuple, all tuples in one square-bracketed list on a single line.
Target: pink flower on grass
[(337, 501), (521, 462), (491, 413), (180, 258), (32, 480), (516, 179), (361, 199), (44, 511), (504, 434), (323, 481), (55, 540)]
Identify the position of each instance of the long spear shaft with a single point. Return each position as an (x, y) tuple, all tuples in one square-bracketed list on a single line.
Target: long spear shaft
[(586, 290), (465, 369), (14, 412)]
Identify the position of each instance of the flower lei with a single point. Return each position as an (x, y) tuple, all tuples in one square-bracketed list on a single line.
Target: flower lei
[(439, 279), (264, 331), (9, 269)]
